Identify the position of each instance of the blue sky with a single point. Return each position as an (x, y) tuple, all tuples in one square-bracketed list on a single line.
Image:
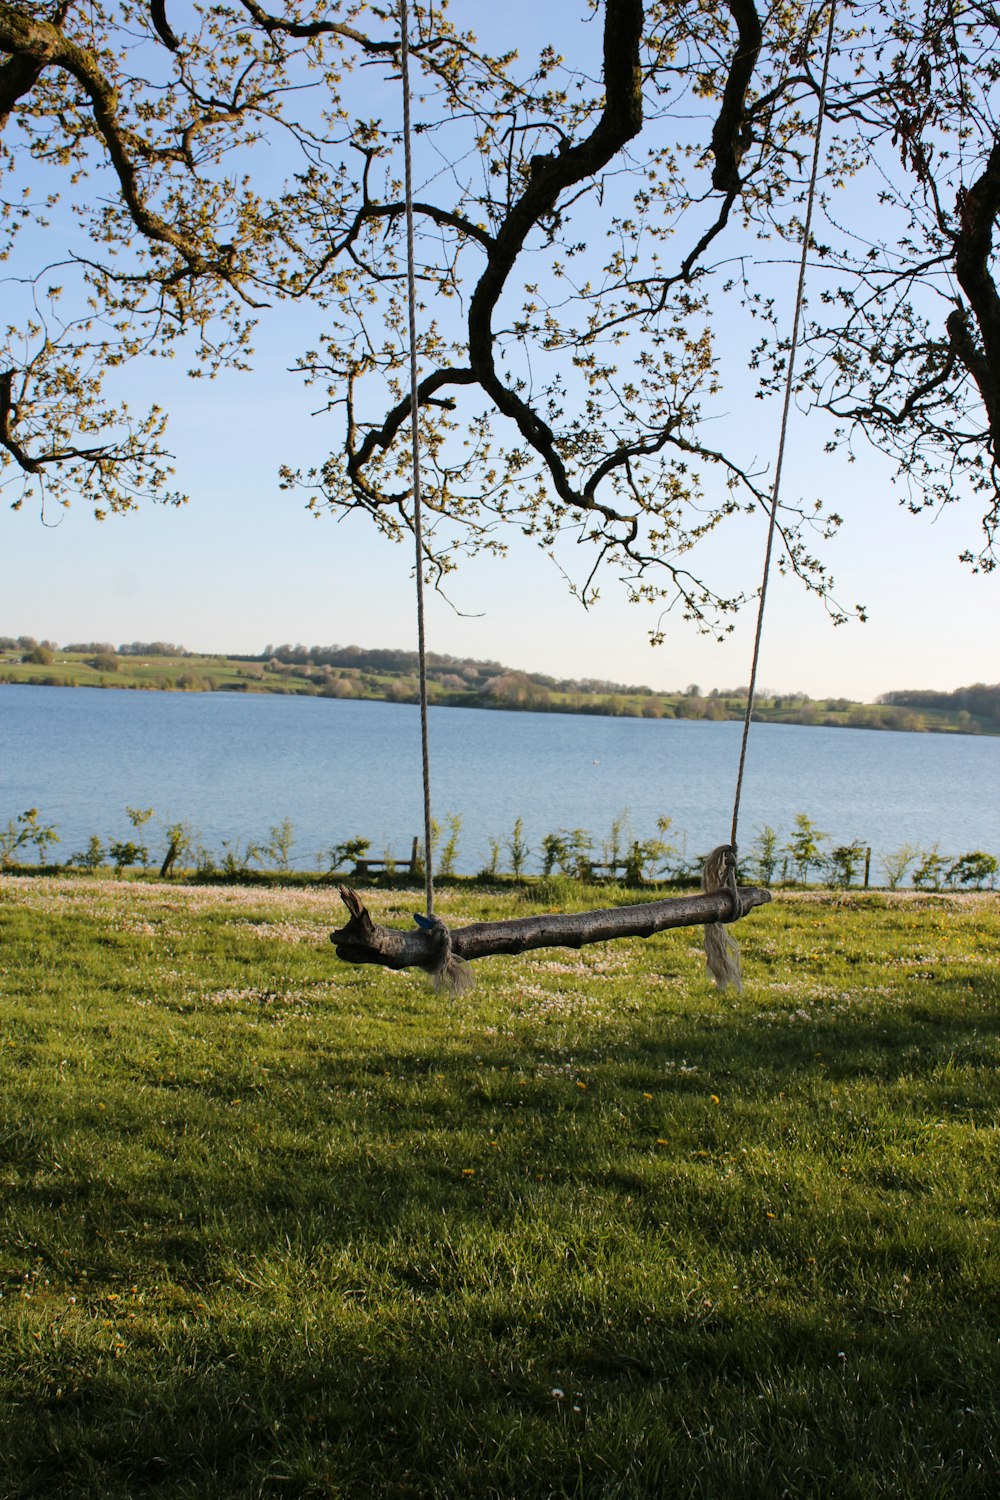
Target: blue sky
[(243, 563)]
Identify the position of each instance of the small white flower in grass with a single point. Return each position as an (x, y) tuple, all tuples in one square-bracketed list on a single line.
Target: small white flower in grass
[(557, 1393)]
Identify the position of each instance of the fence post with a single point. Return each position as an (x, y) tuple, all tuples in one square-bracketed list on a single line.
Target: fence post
[(868, 864)]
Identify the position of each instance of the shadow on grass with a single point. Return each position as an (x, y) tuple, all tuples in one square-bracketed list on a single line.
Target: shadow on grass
[(705, 1252)]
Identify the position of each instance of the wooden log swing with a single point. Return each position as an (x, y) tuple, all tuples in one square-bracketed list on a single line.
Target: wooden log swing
[(433, 946)]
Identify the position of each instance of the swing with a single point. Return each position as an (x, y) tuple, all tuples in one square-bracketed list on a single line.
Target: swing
[(446, 953)]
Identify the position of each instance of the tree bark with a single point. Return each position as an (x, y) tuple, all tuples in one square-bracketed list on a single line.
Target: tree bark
[(363, 941)]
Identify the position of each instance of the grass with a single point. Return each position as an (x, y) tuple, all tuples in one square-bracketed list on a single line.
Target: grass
[(275, 1227)]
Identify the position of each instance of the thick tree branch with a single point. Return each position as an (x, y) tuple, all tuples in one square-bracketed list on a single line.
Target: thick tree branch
[(8, 416), (730, 135), (36, 44), (106, 454), (550, 176), (363, 941), (158, 16), (381, 438), (978, 210), (18, 77)]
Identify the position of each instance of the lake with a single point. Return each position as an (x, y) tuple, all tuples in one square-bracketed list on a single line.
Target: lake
[(233, 766)]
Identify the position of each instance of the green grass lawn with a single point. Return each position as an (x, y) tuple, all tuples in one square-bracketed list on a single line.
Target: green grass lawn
[(276, 1227)]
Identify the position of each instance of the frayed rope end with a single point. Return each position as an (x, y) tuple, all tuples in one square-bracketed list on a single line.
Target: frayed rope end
[(455, 977), (722, 952), (450, 975), (722, 957)]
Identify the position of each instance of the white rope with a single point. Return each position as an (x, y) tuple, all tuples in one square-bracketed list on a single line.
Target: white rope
[(789, 379), (418, 539)]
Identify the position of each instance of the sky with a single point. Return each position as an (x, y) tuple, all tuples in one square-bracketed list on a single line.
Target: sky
[(243, 564)]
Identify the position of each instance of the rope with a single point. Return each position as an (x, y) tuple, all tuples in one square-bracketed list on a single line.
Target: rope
[(415, 439), (450, 974), (792, 348), (418, 537)]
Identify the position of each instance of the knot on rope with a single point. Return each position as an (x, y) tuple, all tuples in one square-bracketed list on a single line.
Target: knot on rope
[(722, 952), (719, 874), (449, 974)]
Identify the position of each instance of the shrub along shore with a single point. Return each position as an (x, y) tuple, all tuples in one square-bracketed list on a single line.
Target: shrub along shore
[(805, 857)]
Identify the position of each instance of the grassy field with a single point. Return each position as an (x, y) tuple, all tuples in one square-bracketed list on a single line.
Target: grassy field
[(274, 1227)]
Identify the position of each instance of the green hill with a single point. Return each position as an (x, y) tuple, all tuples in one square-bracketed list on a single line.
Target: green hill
[(460, 682)]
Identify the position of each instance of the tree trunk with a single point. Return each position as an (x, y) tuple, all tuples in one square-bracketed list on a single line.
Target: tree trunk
[(363, 941)]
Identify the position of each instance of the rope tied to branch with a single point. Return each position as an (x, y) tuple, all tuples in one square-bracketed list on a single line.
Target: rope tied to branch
[(450, 974), (418, 536), (722, 954), (793, 344)]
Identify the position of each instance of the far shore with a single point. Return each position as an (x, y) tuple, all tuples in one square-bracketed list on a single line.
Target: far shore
[(390, 677)]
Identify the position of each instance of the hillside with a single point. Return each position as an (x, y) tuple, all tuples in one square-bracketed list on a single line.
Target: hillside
[(458, 682)]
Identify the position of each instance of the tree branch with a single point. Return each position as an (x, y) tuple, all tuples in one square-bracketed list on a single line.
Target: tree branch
[(158, 16), (304, 30), (978, 209), (35, 44), (730, 135), (363, 941), (550, 176), (8, 416)]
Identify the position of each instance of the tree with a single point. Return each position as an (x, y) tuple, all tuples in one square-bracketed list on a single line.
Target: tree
[(449, 850), (138, 817), (764, 853), (568, 849), (648, 857), (518, 849), (279, 847), (975, 869), (180, 842), (896, 864), (91, 858), (844, 863), (597, 218), (931, 869), (804, 845), (24, 830), (347, 853)]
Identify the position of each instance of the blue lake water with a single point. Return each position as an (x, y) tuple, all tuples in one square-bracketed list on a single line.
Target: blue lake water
[(235, 765)]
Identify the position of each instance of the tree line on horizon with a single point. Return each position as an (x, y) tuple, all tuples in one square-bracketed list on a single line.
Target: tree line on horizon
[(354, 671), (979, 698)]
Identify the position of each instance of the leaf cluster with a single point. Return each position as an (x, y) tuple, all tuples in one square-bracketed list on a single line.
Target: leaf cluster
[(588, 231)]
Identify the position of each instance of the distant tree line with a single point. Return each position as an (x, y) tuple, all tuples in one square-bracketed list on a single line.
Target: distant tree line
[(979, 699), (97, 648), (391, 675), (152, 648), (26, 643), (376, 659), (469, 670)]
